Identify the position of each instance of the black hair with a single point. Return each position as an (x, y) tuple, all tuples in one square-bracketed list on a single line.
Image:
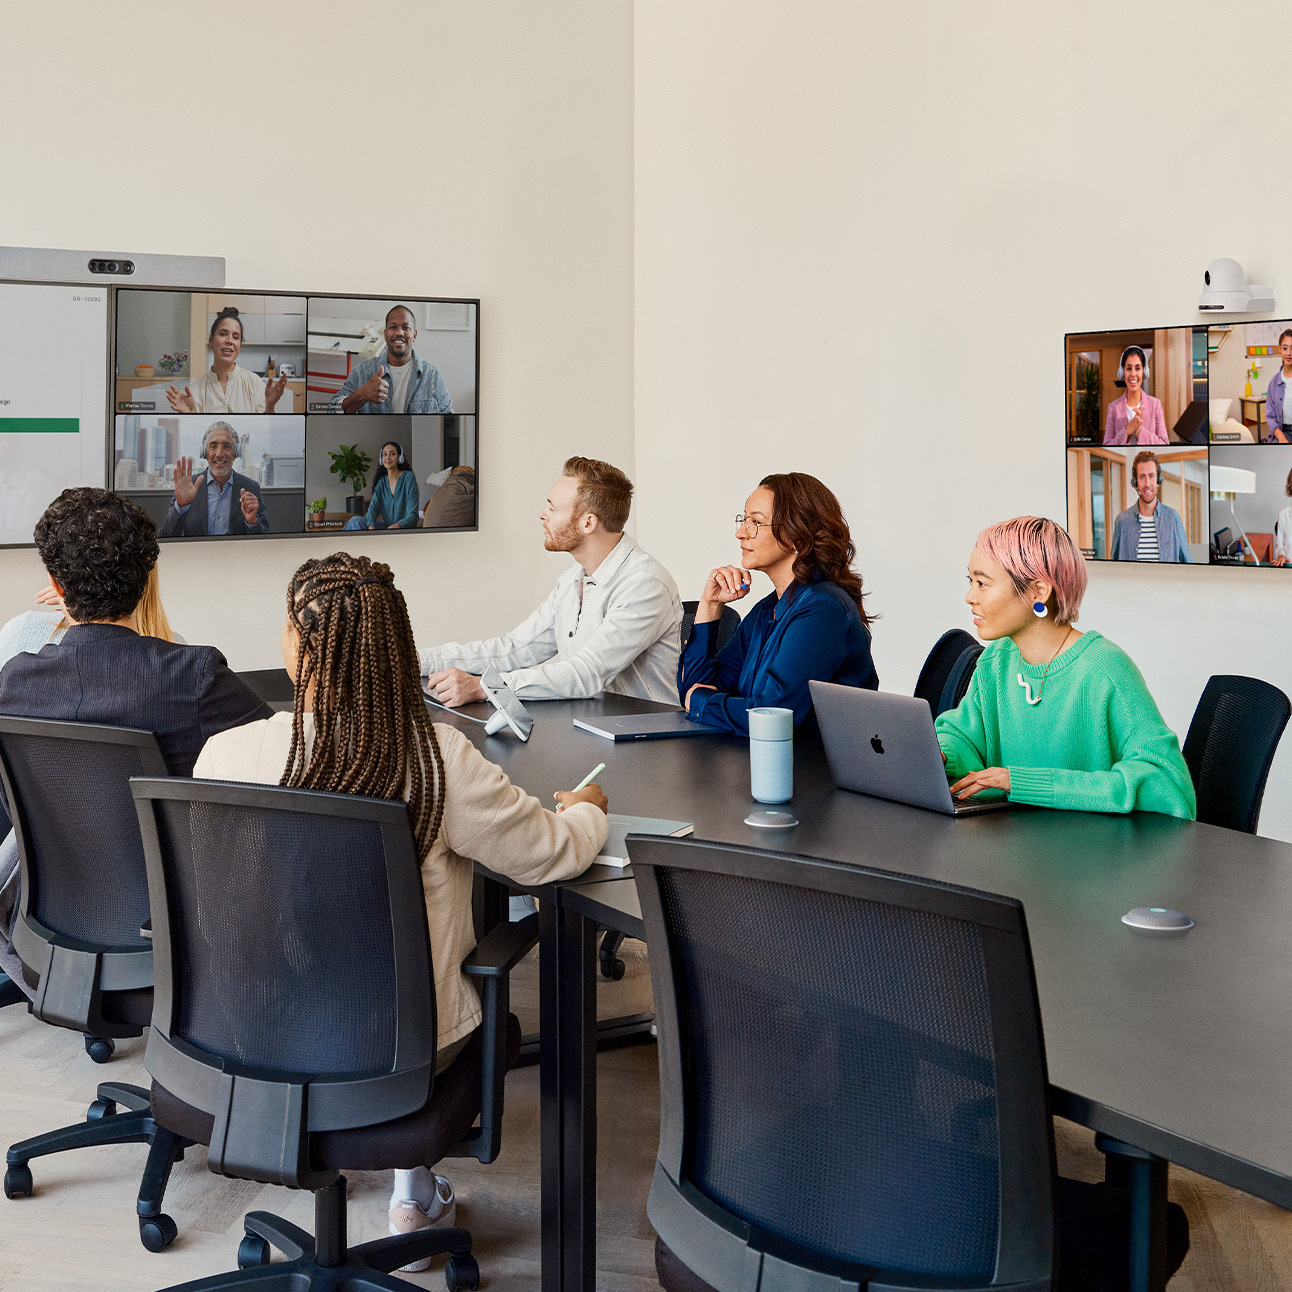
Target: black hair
[(1130, 350), (404, 463), (100, 547), (228, 312), (411, 315)]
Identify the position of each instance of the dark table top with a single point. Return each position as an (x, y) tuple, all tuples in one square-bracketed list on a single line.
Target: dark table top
[(1180, 1044)]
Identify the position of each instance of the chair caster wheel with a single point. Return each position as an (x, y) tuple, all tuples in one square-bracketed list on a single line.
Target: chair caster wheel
[(461, 1272), (157, 1232), (17, 1181), (100, 1048), (253, 1250), (100, 1109), (614, 970)]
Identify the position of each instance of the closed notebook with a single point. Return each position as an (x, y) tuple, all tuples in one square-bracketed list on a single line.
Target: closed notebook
[(614, 852)]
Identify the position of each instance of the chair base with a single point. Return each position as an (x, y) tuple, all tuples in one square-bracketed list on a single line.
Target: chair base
[(104, 1125), (325, 1264)]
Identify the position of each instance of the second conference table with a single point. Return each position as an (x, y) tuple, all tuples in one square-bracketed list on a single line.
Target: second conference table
[(1179, 1045)]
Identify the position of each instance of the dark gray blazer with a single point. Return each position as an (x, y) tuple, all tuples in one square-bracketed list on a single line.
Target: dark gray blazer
[(193, 521), (113, 677)]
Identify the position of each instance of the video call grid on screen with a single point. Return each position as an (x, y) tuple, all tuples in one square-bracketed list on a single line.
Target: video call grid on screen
[(149, 369), (1220, 490)]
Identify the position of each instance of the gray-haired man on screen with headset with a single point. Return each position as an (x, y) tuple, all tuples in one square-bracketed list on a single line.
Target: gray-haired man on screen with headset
[(612, 623), (218, 500)]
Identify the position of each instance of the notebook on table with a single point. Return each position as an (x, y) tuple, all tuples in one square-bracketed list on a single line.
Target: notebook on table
[(614, 852), (886, 745), (646, 726)]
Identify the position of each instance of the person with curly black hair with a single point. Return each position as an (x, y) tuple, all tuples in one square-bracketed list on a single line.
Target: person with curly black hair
[(98, 549)]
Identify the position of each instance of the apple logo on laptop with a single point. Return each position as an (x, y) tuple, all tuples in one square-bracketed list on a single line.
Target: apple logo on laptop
[(876, 744)]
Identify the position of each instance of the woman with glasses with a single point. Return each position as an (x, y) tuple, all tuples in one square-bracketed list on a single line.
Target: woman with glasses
[(811, 626)]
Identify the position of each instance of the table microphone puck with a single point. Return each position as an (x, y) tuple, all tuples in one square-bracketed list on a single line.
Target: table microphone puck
[(771, 820), (1158, 919)]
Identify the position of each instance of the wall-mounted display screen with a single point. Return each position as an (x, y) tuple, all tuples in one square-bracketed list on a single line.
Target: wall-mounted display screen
[(273, 414), (53, 380), (1177, 451)]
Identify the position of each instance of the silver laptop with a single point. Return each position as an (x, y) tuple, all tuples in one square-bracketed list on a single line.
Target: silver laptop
[(885, 745)]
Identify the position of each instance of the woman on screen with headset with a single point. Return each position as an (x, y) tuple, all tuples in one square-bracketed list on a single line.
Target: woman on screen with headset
[(394, 495), (1136, 417), (812, 625), (1054, 717), (227, 387), (360, 727)]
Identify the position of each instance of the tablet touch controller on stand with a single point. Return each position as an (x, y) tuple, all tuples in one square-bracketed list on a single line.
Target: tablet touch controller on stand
[(510, 712)]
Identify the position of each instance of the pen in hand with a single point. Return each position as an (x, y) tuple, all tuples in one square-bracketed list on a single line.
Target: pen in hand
[(585, 782)]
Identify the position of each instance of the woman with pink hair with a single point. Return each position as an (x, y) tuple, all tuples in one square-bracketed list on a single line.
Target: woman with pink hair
[(1054, 717)]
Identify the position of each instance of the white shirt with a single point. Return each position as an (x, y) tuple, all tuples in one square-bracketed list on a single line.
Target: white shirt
[(245, 392), (1283, 534), (624, 639), (398, 377)]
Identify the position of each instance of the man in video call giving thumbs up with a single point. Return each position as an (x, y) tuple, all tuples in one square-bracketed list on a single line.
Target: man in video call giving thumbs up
[(397, 379)]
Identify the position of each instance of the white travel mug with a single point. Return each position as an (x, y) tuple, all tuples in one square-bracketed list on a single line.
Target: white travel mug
[(771, 755)]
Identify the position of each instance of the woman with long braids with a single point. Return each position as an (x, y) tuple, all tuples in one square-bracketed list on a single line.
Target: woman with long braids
[(811, 626), (360, 726)]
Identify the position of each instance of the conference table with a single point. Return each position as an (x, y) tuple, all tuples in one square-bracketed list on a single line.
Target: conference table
[(1180, 1045)]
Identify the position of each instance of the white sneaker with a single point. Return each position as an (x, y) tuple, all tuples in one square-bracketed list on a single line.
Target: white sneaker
[(408, 1217), (519, 905)]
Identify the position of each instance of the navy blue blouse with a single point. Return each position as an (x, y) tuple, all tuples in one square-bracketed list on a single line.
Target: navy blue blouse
[(813, 632)]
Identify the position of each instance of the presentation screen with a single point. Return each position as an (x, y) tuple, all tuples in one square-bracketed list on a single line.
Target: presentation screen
[(1179, 444), (53, 394), (250, 416)]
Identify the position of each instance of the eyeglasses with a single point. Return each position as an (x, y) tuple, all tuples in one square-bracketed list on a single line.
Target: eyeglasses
[(742, 521)]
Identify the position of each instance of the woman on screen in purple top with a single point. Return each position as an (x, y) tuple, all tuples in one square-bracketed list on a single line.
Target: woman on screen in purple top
[(1135, 418)]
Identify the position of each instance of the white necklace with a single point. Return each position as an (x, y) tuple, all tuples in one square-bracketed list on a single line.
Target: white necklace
[(1027, 686)]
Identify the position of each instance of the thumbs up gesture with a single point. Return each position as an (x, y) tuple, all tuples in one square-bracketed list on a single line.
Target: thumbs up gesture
[(376, 390)]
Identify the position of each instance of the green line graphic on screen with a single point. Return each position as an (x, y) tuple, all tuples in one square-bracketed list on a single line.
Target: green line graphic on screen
[(39, 425)]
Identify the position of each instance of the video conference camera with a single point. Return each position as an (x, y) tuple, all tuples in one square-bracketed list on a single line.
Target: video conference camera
[(1227, 291)]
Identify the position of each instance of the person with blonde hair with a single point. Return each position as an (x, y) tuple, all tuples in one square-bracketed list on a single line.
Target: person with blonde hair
[(360, 727), (1054, 717)]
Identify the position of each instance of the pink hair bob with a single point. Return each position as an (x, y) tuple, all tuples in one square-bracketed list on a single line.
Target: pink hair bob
[(1031, 548)]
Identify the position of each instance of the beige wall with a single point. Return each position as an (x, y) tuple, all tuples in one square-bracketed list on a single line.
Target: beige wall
[(418, 149), (825, 190)]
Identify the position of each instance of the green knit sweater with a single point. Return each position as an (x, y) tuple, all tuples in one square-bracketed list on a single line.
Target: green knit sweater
[(1095, 742)]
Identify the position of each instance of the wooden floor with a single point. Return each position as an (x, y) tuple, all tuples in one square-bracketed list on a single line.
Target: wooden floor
[(77, 1231)]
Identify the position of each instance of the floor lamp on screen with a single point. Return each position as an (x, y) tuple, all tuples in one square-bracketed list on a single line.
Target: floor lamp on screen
[(1224, 484)]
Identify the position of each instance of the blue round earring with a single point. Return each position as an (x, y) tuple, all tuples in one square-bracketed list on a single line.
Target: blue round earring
[(1040, 609)]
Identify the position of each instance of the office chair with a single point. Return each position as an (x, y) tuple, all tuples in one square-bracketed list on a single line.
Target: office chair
[(948, 670), (612, 968), (83, 902), (853, 1085), (728, 623), (1231, 743), (294, 1027)]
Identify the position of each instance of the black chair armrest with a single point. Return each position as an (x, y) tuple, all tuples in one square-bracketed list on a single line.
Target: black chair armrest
[(491, 963), (502, 949)]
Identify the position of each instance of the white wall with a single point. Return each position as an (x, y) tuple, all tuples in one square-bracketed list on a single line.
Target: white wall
[(473, 150), (826, 190)]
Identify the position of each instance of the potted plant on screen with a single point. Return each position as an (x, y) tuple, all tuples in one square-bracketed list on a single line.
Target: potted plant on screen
[(317, 508), (351, 464)]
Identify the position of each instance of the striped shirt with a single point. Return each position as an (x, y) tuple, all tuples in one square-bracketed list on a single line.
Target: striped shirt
[(1147, 549)]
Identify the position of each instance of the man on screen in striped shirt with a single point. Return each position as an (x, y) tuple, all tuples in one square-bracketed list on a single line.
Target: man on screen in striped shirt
[(1150, 530)]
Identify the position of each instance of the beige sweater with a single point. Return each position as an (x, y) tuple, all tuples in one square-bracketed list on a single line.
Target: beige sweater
[(486, 819)]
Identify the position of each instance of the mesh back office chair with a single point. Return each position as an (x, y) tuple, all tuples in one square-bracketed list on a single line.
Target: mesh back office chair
[(728, 625), (84, 897), (853, 1084), (1231, 743), (947, 672), (294, 1027)]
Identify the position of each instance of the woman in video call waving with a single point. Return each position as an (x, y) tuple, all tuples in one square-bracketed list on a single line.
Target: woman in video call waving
[(811, 626), (1054, 717), (226, 387)]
